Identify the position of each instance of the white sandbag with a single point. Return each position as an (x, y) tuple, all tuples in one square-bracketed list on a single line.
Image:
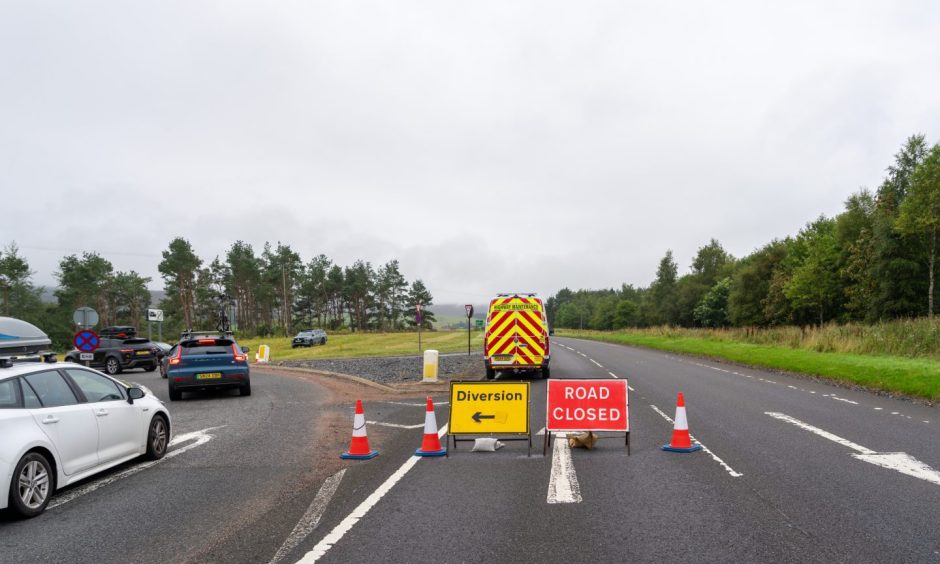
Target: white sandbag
[(486, 444)]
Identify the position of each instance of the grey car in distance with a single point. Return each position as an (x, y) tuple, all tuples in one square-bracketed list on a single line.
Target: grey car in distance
[(308, 338)]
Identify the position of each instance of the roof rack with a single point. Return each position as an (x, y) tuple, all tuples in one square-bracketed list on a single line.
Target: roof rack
[(188, 334), (7, 361)]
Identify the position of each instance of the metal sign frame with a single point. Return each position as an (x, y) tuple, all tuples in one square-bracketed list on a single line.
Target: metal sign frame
[(459, 437)]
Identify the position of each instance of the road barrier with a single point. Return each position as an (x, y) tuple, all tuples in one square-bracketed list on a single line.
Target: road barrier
[(359, 446), (681, 439), (431, 445)]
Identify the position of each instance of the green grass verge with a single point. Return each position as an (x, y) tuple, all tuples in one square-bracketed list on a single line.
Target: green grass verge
[(916, 377), (352, 345)]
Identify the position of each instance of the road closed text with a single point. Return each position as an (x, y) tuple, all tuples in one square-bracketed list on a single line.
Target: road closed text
[(587, 405)]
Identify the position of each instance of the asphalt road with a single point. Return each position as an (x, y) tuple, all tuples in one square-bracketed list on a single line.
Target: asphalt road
[(778, 482), (228, 497), (789, 475)]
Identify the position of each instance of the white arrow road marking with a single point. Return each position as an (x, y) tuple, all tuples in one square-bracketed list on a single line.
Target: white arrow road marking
[(198, 437), (899, 461), (346, 525), (563, 485), (311, 517)]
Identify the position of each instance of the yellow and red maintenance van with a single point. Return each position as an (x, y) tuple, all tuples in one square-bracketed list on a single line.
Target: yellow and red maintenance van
[(516, 335)]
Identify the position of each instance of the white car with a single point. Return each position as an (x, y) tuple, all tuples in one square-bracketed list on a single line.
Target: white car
[(61, 423)]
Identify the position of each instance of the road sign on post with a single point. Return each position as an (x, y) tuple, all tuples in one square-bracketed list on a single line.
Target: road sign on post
[(85, 317), (86, 341), (418, 319), (469, 308), (154, 315)]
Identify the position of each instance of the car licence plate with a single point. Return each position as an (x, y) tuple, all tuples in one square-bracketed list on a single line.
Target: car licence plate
[(209, 376), (143, 353)]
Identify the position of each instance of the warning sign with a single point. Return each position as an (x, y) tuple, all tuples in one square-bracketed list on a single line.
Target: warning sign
[(481, 408), (587, 405)]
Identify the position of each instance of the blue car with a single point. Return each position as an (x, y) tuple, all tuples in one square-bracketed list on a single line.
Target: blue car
[(207, 361)]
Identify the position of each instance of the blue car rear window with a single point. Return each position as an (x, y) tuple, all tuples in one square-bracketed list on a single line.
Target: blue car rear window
[(207, 347)]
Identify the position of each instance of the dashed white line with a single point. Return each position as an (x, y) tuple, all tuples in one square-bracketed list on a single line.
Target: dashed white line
[(595, 362), (563, 484), (731, 471), (311, 517), (612, 375), (395, 425), (199, 438), (361, 510)]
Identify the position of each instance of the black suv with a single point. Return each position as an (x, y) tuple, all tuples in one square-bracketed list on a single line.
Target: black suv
[(116, 354), (308, 338)]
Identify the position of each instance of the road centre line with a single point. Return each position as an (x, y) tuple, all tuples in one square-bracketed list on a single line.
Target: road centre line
[(395, 425), (729, 469), (414, 404), (612, 375), (595, 362), (338, 532), (563, 484), (199, 438), (311, 517)]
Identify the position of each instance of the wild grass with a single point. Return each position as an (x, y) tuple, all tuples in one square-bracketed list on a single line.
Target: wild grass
[(351, 345)]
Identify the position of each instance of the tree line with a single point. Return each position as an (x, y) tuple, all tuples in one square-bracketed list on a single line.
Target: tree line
[(276, 292), (271, 293), (874, 261)]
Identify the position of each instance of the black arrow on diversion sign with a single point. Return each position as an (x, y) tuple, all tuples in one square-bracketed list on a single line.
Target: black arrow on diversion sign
[(477, 416)]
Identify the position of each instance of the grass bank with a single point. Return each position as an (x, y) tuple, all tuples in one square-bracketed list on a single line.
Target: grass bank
[(353, 345), (916, 377)]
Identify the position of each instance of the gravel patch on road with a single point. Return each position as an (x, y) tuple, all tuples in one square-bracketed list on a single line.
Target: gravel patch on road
[(390, 370)]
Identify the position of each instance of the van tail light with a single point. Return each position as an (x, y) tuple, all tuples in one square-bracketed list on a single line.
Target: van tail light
[(239, 355), (177, 358)]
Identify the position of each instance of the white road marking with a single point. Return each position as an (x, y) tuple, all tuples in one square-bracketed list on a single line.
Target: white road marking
[(899, 461), (395, 425), (414, 404), (731, 471), (612, 375), (629, 387), (359, 512), (563, 484), (541, 432), (582, 354), (311, 517), (595, 362), (199, 438), (843, 399)]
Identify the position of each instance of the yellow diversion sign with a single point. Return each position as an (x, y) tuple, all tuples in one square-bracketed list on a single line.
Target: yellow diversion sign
[(481, 408)]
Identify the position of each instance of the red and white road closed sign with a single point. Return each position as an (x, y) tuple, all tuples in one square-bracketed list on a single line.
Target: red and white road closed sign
[(587, 405)]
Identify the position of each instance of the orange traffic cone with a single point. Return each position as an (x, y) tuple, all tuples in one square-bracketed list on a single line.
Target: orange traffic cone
[(431, 445), (681, 440), (359, 447)]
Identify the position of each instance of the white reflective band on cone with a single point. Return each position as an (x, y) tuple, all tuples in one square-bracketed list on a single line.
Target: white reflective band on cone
[(430, 423), (359, 425), (682, 423)]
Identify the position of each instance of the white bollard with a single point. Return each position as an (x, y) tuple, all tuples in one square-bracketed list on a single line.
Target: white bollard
[(263, 354), (430, 366)]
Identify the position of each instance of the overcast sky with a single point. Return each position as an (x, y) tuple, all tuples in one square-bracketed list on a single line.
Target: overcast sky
[(489, 146)]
